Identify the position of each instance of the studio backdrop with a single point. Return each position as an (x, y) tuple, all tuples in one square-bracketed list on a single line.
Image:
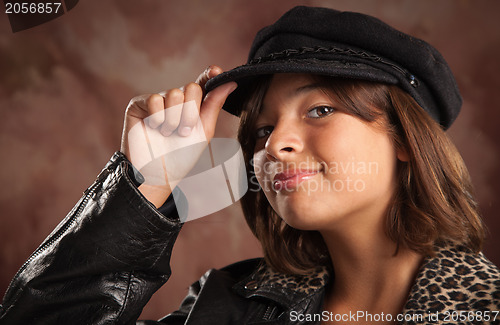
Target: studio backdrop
[(65, 84)]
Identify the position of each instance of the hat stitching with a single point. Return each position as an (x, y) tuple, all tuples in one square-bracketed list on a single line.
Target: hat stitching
[(334, 50)]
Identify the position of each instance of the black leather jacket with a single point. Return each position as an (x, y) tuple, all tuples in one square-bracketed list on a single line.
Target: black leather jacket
[(112, 252)]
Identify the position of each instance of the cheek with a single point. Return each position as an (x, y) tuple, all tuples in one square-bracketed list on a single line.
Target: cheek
[(259, 166), (377, 162), (356, 152)]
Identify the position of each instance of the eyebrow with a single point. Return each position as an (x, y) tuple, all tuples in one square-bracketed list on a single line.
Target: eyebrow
[(306, 88)]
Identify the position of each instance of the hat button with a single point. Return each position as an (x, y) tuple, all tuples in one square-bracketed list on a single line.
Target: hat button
[(252, 285)]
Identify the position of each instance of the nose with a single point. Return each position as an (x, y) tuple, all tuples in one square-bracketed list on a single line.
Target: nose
[(284, 142)]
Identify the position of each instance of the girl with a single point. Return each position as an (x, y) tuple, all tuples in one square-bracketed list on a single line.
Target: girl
[(364, 208)]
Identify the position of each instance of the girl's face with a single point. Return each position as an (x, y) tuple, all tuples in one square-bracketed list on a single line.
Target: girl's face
[(319, 167)]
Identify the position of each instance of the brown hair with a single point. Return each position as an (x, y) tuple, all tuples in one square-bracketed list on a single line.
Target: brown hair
[(433, 204)]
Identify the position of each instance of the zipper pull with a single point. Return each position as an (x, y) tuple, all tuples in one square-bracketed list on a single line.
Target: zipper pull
[(102, 175)]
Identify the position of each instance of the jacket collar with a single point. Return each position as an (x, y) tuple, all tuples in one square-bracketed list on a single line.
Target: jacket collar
[(453, 279), (284, 289)]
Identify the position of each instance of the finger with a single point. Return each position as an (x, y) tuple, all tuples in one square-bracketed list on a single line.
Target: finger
[(155, 107), (190, 111), (173, 110), (137, 106), (212, 105), (209, 73)]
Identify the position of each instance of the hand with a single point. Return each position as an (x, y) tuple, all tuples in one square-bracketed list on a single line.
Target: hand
[(174, 120)]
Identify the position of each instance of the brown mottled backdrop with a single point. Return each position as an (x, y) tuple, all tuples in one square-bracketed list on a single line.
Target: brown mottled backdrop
[(64, 86)]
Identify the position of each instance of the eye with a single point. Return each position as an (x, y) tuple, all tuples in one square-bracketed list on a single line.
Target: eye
[(320, 111), (263, 131)]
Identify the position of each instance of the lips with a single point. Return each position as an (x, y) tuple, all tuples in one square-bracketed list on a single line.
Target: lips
[(289, 180)]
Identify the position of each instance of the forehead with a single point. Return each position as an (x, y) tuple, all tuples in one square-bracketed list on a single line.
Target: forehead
[(284, 87), (288, 83)]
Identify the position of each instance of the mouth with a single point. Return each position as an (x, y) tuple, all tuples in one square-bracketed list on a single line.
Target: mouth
[(291, 179)]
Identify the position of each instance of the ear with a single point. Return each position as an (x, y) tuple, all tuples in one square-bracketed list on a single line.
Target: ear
[(402, 155)]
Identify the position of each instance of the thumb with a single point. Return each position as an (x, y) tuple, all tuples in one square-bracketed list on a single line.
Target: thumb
[(212, 104)]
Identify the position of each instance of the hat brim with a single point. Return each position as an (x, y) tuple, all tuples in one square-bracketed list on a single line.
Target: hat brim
[(246, 74)]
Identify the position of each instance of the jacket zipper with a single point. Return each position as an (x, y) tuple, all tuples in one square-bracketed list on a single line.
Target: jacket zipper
[(88, 194), (269, 313)]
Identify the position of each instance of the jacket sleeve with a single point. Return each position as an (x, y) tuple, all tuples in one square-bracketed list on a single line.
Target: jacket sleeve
[(102, 263)]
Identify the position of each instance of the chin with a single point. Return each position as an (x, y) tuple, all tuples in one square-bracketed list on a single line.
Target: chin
[(302, 221), (301, 213)]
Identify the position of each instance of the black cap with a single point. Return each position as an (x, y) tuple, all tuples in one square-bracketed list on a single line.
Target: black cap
[(349, 45)]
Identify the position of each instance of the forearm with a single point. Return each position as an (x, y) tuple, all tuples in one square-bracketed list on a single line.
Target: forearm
[(102, 263)]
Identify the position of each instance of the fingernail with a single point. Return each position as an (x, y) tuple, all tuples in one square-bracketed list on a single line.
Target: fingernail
[(213, 67), (185, 131)]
